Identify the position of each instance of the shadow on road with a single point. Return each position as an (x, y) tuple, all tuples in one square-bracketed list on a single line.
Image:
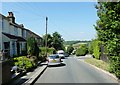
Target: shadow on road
[(60, 65)]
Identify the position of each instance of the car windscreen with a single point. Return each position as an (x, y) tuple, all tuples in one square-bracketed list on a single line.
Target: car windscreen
[(53, 57)]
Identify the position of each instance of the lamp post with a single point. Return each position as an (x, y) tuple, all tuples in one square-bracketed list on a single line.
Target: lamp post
[(46, 35)]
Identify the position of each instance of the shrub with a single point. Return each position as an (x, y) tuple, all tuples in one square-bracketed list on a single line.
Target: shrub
[(96, 49), (70, 49), (115, 65), (82, 50), (90, 48), (42, 54), (23, 62)]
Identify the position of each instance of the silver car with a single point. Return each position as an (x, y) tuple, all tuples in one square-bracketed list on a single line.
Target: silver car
[(54, 59)]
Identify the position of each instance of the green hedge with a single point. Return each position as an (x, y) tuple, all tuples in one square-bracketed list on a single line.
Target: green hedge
[(24, 62), (115, 65), (96, 49), (82, 50)]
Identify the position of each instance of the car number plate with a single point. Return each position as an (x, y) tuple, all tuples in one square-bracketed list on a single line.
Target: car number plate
[(53, 61)]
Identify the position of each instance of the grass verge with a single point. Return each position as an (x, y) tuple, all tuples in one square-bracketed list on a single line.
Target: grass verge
[(98, 63)]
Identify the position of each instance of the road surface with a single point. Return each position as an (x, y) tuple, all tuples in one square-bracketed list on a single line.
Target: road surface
[(74, 71)]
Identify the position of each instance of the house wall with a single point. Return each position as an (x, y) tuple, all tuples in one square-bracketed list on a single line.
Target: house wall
[(24, 35), (5, 25), (19, 32), (15, 31), (0, 32), (11, 30)]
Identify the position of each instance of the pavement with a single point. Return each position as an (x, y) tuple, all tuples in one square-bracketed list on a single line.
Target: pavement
[(30, 77)]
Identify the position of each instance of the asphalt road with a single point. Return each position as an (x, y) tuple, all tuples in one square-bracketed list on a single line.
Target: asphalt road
[(74, 71)]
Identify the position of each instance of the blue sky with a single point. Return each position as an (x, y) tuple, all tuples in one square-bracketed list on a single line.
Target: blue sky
[(73, 20)]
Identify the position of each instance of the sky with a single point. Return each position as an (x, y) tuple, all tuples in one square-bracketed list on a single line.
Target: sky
[(73, 20)]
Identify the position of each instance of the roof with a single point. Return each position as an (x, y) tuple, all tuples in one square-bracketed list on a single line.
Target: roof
[(39, 37), (20, 26), (14, 37)]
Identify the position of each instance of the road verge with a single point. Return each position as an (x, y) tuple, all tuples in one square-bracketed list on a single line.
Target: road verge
[(100, 69)]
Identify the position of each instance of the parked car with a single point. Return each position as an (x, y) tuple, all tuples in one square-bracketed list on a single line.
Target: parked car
[(61, 54), (54, 59), (66, 54)]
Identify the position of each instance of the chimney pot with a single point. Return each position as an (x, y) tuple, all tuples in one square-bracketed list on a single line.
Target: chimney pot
[(11, 17), (10, 14)]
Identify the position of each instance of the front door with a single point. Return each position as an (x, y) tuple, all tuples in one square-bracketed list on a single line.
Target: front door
[(7, 48)]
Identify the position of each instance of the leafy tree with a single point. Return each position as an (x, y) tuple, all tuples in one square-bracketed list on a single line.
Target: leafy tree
[(32, 47), (57, 41), (82, 50), (108, 31), (70, 49), (49, 40)]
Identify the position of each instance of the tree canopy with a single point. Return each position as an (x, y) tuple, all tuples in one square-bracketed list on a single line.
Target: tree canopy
[(55, 40), (108, 31)]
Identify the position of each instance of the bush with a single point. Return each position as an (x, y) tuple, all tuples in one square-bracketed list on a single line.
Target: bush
[(42, 54), (96, 49), (115, 65), (82, 50), (70, 49), (90, 48), (24, 62)]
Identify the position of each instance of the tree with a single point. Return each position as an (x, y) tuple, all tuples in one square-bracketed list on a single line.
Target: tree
[(108, 31), (82, 50), (32, 47), (57, 41), (70, 49), (49, 40)]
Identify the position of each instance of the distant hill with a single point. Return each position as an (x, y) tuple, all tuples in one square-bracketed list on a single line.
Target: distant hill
[(74, 42)]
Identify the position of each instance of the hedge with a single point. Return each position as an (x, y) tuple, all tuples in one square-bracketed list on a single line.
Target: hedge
[(82, 50)]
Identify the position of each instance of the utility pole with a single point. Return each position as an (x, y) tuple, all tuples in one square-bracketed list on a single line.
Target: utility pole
[(46, 35)]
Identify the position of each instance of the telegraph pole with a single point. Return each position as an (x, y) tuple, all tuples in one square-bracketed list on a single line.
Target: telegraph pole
[(46, 35)]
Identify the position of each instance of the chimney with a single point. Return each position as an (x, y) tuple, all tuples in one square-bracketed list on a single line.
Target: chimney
[(11, 17), (21, 25)]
